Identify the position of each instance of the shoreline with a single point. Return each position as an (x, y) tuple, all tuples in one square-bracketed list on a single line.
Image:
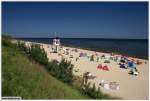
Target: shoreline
[(88, 49), (130, 87), (102, 50), (117, 53)]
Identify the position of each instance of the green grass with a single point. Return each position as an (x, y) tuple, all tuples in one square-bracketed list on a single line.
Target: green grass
[(29, 80)]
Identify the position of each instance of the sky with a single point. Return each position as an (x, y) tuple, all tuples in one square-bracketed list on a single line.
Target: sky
[(128, 20)]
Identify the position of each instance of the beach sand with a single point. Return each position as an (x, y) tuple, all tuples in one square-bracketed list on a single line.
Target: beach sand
[(130, 86)]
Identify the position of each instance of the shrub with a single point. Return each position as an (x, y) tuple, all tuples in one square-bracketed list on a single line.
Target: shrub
[(53, 68), (6, 40), (38, 54), (23, 47), (66, 69), (62, 70), (94, 93)]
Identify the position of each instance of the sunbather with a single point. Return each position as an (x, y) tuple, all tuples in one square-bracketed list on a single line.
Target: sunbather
[(132, 67), (103, 56)]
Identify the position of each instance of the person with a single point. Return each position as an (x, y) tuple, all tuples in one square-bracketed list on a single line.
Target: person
[(122, 65), (89, 74), (92, 58), (77, 58), (132, 67), (103, 56), (107, 57), (97, 58)]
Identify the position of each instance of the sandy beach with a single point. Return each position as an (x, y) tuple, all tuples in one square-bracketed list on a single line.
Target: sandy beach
[(130, 86)]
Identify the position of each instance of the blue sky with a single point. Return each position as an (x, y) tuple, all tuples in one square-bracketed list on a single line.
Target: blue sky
[(76, 19)]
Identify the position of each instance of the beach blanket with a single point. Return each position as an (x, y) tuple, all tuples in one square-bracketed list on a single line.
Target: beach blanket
[(109, 85)]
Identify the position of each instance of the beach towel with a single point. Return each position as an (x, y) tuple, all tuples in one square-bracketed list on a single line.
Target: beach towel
[(109, 86), (114, 86)]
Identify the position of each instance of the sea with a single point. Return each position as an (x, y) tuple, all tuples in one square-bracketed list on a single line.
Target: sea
[(131, 47)]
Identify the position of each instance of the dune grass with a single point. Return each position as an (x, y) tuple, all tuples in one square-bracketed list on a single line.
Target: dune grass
[(29, 80)]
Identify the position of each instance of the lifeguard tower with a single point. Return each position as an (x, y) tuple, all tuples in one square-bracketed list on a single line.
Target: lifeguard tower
[(56, 45)]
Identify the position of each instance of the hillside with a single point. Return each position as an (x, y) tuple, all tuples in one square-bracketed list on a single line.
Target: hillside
[(22, 77)]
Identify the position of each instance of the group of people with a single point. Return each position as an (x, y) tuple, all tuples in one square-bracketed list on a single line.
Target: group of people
[(123, 61)]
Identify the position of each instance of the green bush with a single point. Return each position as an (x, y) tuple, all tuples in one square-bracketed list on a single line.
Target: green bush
[(53, 68), (38, 54), (66, 71), (62, 70), (6, 40)]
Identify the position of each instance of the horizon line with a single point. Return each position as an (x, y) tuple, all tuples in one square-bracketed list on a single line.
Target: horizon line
[(83, 38)]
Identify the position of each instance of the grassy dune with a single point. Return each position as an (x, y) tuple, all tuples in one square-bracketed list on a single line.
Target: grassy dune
[(22, 77)]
